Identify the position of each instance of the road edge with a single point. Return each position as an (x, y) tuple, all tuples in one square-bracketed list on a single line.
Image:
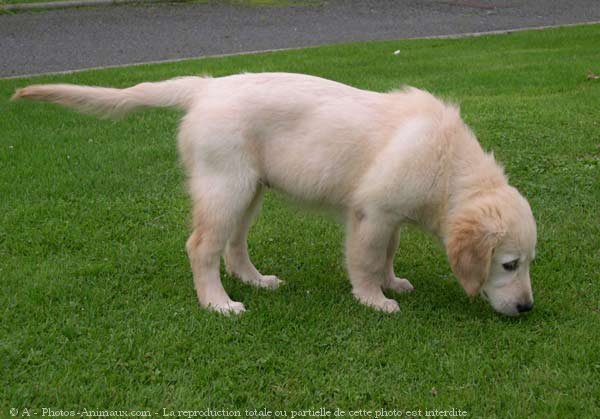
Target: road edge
[(274, 50)]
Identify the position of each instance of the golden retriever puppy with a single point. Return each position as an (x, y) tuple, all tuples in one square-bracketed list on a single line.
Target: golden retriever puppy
[(381, 159)]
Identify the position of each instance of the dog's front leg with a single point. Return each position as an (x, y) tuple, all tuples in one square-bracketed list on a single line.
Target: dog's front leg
[(367, 241)]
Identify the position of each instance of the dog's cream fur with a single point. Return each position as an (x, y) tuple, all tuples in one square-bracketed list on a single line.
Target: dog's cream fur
[(380, 159)]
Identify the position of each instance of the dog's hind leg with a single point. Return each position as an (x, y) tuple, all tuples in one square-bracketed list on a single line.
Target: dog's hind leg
[(392, 282), (219, 205), (367, 242), (237, 260)]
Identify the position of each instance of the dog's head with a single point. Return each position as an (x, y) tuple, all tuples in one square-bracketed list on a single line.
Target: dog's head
[(490, 245)]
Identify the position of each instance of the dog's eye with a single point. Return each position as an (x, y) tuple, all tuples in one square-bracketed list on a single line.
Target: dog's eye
[(512, 265)]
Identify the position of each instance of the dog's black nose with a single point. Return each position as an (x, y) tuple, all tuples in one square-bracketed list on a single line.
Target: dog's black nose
[(522, 308)]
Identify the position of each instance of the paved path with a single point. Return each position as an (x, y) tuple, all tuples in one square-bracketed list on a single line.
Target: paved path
[(59, 40)]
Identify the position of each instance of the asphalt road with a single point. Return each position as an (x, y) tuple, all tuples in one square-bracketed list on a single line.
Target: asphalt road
[(59, 40)]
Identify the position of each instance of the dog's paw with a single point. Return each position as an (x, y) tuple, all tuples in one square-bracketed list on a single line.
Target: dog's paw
[(388, 306), (399, 285), (265, 281), (269, 281), (378, 302), (227, 308)]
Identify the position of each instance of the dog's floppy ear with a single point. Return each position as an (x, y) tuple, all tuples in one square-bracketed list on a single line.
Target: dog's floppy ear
[(469, 246)]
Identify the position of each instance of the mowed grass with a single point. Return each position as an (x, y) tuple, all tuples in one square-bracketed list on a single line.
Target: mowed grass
[(98, 306)]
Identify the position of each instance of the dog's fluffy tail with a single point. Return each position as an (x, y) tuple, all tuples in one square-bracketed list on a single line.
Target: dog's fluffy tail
[(113, 103)]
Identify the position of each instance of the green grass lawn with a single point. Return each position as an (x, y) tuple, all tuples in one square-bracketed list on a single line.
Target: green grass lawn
[(98, 306)]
